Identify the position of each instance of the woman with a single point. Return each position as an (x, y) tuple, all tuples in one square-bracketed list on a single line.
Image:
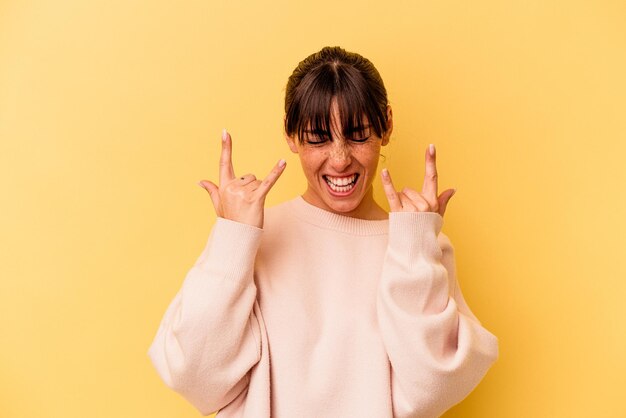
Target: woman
[(325, 305)]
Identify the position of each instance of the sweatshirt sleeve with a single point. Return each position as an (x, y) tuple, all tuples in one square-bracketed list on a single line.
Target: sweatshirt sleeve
[(437, 348), (209, 337)]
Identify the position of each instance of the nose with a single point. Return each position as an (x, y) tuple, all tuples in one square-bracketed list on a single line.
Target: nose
[(340, 157)]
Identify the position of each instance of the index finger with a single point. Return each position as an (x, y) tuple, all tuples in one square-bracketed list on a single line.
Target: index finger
[(429, 188), (227, 172), (271, 178)]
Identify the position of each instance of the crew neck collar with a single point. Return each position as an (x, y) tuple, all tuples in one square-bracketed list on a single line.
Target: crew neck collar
[(328, 220)]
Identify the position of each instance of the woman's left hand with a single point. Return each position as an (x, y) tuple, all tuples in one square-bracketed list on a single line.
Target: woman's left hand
[(409, 200)]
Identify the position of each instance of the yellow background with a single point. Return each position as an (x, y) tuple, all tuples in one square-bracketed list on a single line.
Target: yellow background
[(111, 111)]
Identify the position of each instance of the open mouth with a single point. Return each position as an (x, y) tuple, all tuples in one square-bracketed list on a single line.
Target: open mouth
[(341, 184)]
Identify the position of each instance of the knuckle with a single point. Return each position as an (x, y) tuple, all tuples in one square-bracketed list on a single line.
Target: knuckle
[(423, 206), (233, 189)]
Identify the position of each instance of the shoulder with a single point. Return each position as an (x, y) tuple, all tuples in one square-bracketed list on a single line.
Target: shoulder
[(277, 212), (281, 228), (279, 219)]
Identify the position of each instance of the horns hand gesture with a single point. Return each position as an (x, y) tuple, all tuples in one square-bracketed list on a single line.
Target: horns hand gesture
[(242, 198), (409, 200)]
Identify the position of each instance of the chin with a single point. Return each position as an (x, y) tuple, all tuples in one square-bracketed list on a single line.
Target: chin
[(343, 206)]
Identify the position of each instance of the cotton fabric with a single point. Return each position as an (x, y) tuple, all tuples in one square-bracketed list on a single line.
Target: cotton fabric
[(323, 315)]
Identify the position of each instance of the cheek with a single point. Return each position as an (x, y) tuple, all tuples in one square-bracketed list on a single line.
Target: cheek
[(312, 161), (368, 156)]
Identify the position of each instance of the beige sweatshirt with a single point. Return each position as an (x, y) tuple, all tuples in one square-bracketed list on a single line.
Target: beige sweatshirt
[(323, 315)]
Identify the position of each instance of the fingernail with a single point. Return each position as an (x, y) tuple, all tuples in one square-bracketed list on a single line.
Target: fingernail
[(224, 134), (282, 163), (431, 149), (385, 173), (200, 184)]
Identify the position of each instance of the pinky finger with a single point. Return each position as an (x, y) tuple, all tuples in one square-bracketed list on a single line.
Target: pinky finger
[(390, 192)]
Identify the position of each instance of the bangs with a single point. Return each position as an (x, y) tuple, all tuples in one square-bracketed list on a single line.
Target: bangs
[(311, 107)]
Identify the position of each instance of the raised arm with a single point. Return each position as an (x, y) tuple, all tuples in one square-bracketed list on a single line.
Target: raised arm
[(209, 337), (437, 348)]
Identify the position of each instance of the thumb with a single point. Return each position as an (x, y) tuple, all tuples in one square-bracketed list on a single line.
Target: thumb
[(214, 192), (443, 199)]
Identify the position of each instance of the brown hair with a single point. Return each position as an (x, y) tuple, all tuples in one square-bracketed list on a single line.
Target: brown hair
[(334, 73)]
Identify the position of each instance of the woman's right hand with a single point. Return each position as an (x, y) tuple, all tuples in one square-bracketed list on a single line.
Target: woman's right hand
[(240, 199)]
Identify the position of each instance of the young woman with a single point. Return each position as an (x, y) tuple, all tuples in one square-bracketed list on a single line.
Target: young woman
[(325, 305)]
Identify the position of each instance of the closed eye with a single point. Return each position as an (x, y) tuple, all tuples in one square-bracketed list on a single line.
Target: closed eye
[(316, 141), (360, 140)]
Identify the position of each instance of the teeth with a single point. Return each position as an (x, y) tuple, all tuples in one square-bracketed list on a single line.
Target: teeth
[(341, 184), (340, 181)]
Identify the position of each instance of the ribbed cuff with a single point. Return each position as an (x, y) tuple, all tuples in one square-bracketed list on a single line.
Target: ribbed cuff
[(232, 248), (415, 233)]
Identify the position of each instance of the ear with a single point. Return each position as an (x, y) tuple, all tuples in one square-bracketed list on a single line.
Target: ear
[(292, 144), (387, 134), (290, 140)]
